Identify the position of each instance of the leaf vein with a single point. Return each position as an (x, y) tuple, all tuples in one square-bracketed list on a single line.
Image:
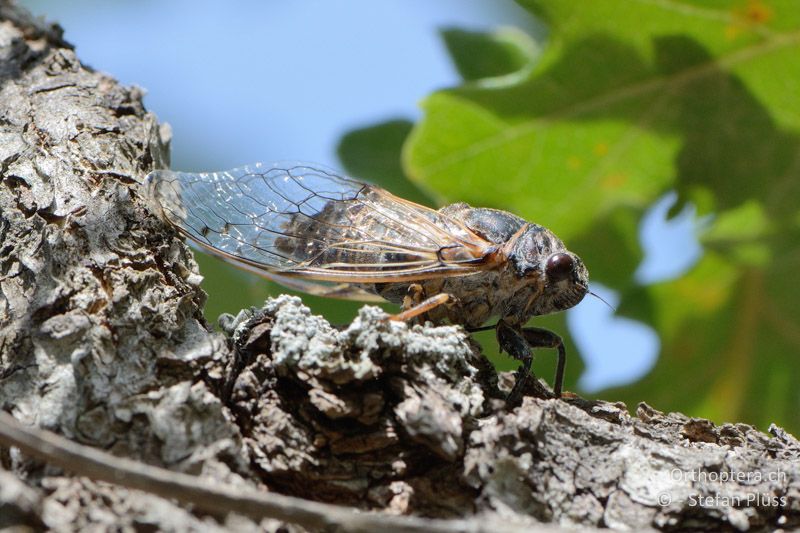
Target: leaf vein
[(605, 100)]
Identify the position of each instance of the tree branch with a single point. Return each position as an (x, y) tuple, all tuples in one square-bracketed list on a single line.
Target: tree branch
[(102, 340), (223, 499)]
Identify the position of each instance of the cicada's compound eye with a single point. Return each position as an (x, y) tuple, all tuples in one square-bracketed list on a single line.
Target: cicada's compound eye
[(559, 267)]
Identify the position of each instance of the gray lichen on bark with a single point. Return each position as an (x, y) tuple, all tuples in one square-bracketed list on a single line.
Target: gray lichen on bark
[(102, 339)]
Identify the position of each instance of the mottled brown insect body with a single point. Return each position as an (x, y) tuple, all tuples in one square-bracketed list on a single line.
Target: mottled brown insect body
[(516, 290), (316, 231)]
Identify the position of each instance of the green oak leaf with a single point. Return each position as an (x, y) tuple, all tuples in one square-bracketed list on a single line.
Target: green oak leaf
[(629, 99), (490, 58)]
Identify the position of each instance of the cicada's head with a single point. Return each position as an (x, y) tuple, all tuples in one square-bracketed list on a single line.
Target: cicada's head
[(539, 256)]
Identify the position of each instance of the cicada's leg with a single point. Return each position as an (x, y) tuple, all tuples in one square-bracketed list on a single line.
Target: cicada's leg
[(512, 341), (422, 307), (519, 344), (543, 338)]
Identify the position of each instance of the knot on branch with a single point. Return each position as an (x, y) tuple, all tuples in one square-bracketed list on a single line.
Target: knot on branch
[(362, 413)]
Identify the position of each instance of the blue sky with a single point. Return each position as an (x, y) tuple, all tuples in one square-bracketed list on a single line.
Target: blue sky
[(275, 80)]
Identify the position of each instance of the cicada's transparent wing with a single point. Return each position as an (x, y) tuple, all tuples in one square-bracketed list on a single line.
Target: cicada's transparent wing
[(302, 220)]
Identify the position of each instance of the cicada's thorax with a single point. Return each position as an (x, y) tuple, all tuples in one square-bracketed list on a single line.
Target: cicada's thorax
[(499, 292)]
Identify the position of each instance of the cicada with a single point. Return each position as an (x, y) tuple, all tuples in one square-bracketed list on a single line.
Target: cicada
[(314, 230)]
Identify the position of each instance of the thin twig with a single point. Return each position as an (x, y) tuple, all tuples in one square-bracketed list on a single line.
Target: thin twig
[(217, 498)]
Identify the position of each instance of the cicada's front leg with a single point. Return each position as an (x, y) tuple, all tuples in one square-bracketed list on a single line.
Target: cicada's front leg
[(544, 338), (519, 344), (415, 306)]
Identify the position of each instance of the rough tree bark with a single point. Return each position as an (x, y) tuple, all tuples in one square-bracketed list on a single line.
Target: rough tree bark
[(102, 340)]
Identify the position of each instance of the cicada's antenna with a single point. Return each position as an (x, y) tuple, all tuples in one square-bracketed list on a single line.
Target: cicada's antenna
[(605, 302)]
